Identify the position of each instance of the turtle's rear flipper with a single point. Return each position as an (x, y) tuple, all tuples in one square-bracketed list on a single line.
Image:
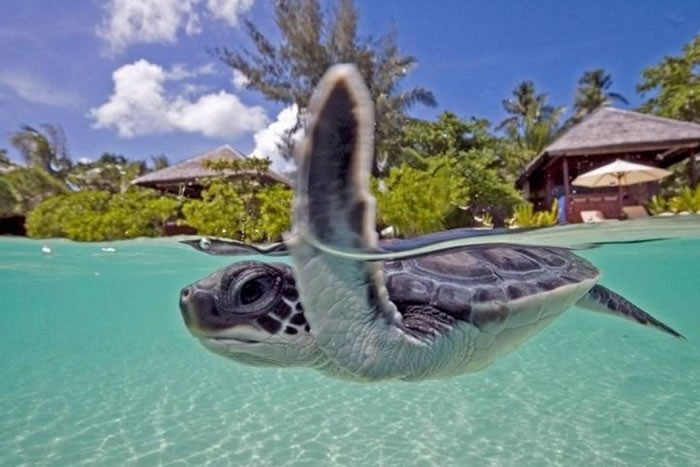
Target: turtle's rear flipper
[(604, 300)]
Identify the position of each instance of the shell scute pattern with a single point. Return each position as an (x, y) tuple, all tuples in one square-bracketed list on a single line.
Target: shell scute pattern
[(452, 299), (486, 277), (508, 259)]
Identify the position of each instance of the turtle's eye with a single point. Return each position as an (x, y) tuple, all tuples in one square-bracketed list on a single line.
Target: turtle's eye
[(247, 292), (254, 289)]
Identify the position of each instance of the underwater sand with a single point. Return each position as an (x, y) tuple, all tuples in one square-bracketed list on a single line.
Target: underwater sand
[(97, 368)]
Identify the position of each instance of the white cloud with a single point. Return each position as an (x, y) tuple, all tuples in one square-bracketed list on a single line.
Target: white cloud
[(137, 105), (239, 80), (179, 71), (34, 89), (156, 21), (207, 69), (229, 10), (194, 90), (217, 115), (140, 104), (129, 22), (268, 140)]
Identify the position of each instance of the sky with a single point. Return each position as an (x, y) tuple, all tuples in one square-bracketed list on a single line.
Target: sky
[(134, 77)]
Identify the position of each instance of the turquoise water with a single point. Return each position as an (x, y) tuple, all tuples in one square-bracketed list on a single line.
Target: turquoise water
[(96, 368)]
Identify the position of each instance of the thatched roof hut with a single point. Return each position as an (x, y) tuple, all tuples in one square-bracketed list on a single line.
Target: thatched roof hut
[(603, 136), (185, 178)]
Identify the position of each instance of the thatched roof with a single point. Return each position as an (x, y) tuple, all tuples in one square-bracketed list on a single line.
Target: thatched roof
[(608, 131), (190, 170)]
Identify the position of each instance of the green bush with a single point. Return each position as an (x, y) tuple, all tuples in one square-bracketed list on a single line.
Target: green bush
[(274, 211), (657, 204), (487, 220), (549, 218), (8, 200), (92, 215), (487, 190), (28, 186), (417, 201), (686, 200), (219, 213), (524, 215), (47, 219), (240, 210)]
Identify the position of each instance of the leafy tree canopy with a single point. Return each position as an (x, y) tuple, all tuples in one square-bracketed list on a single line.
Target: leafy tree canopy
[(239, 210), (48, 169), (110, 172), (457, 166), (29, 186), (8, 201), (447, 135), (310, 42), (673, 86), (416, 201)]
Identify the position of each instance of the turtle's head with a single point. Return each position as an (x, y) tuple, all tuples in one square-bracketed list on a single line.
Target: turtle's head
[(250, 312)]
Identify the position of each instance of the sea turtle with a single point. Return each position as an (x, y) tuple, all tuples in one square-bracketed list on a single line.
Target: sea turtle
[(352, 308)]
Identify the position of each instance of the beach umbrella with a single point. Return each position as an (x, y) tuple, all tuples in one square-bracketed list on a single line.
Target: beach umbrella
[(620, 173)]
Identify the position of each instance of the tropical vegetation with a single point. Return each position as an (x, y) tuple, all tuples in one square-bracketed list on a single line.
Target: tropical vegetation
[(593, 92), (525, 216), (240, 208), (686, 200), (95, 215), (447, 172)]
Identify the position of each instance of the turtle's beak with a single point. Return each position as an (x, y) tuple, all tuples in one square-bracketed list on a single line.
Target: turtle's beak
[(195, 304)]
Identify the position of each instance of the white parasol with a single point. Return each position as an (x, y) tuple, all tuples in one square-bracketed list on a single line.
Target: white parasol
[(620, 173)]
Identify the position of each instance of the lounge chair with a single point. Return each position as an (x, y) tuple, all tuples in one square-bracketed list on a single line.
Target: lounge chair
[(635, 212), (590, 217)]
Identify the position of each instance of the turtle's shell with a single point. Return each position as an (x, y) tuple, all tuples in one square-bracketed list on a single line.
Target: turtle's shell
[(507, 292), (484, 274)]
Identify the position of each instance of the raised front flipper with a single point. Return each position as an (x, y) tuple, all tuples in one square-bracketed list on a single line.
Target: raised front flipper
[(604, 300), (345, 298)]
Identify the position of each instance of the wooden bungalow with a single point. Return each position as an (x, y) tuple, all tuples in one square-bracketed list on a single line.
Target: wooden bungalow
[(603, 136), (186, 177)]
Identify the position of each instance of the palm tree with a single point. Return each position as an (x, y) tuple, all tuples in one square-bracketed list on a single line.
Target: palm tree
[(593, 92), (532, 123), (160, 162), (46, 166), (45, 150)]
